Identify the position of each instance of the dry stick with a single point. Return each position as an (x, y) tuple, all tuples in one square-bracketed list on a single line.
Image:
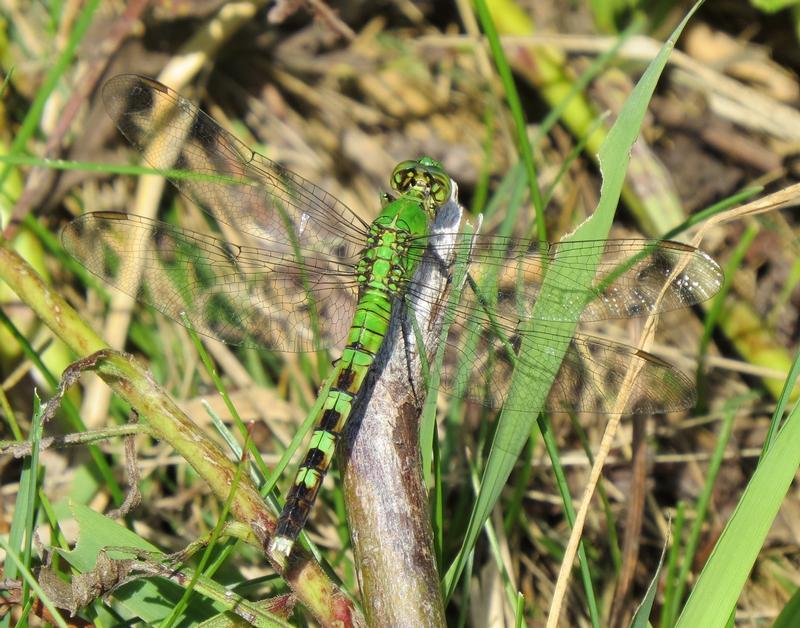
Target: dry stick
[(133, 497), (387, 500), (785, 198), (22, 449), (486, 71), (594, 476)]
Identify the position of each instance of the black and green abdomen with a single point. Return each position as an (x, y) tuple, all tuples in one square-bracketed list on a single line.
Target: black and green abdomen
[(383, 271)]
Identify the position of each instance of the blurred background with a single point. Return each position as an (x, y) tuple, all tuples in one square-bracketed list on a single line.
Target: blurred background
[(340, 93)]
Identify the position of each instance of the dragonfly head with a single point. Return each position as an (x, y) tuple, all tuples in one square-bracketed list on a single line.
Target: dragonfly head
[(423, 178)]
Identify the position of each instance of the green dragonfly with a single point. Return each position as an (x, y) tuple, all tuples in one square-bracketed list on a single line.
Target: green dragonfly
[(294, 269)]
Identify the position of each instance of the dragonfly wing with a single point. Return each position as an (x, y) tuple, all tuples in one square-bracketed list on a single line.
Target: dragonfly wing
[(479, 366), (494, 322), (632, 278), (225, 178), (241, 295)]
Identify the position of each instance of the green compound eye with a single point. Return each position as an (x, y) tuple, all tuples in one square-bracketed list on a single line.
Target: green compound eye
[(402, 174), (411, 174), (440, 190)]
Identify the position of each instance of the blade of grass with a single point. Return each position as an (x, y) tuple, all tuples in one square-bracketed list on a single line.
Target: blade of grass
[(642, 614), (32, 582), (267, 480), (34, 113), (704, 499), (514, 427), (671, 578), (783, 401), (22, 525), (723, 577), (790, 614), (613, 161), (515, 105), (546, 429), (211, 369), (718, 303), (209, 550)]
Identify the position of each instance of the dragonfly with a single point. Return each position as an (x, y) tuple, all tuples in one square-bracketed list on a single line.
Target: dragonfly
[(281, 263)]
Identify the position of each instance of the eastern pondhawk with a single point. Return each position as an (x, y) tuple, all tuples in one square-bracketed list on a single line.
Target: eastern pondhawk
[(294, 269)]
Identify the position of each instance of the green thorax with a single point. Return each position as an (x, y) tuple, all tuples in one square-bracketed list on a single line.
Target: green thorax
[(423, 186)]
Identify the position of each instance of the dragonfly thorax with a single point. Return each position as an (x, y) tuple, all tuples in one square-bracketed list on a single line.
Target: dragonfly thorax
[(424, 179)]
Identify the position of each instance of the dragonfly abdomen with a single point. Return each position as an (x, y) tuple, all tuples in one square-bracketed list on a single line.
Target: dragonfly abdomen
[(383, 269)]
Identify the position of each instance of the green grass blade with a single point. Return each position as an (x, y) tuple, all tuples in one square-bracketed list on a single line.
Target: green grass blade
[(702, 506), (790, 615), (208, 553), (724, 575), (671, 579), (640, 617), (718, 304), (783, 401), (515, 105), (514, 427), (34, 114), (211, 369), (20, 536), (546, 429), (573, 94)]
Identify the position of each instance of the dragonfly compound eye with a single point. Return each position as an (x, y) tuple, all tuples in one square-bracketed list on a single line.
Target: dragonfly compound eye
[(440, 189), (425, 176), (403, 175)]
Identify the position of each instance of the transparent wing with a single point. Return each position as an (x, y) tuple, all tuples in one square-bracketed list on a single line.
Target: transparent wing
[(241, 295), (629, 280), (632, 278), (478, 366), (226, 179)]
